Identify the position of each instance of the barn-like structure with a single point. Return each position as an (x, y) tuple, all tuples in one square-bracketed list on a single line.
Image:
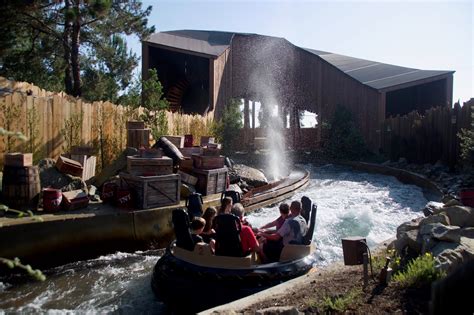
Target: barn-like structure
[(202, 70)]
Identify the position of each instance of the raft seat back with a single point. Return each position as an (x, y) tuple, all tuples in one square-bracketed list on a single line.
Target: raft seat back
[(305, 208), (293, 251), (308, 237), (228, 242), (181, 229), (202, 256)]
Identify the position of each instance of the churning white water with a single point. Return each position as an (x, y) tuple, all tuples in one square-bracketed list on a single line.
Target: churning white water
[(352, 203), (349, 203)]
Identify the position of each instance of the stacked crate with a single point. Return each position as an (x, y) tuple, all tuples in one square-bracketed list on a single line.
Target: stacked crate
[(151, 181), (207, 171), (137, 135)]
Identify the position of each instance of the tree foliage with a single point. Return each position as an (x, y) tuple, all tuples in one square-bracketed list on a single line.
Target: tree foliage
[(227, 129), (72, 45), (344, 138), (466, 137)]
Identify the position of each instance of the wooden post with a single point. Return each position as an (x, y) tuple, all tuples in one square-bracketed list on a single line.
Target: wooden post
[(365, 260)]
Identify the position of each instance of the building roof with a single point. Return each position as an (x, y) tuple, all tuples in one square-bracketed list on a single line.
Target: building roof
[(374, 74)]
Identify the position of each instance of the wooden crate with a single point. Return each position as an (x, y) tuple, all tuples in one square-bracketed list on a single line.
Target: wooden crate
[(211, 151), (187, 178), (138, 138), (18, 159), (135, 125), (153, 191), (211, 181), (149, 166), (178, 141), (88, 164), (189, 151), (186, 165), (69, 166), (150, 153), (208, 162), (75, 199), (205, 140)]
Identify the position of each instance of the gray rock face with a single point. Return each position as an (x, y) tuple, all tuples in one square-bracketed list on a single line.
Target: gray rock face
[(449, 256), (460, 216), (468, 232), (410, 239), (434, 207), (51, 177), (408, 226), (250, 175), (437, 218), (448, 233)]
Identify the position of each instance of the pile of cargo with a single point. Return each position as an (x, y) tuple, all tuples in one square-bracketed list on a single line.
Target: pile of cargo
[(23, 189)]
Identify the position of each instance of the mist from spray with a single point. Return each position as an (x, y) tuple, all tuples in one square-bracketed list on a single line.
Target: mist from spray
[(267, 75)]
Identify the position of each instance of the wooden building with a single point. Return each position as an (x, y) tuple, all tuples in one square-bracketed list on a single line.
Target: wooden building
[(201, 70)]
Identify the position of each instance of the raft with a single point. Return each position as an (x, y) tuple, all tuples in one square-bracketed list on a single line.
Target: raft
[(189, 281)]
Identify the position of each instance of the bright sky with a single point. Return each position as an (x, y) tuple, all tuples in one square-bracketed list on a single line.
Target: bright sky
[(430, 35)]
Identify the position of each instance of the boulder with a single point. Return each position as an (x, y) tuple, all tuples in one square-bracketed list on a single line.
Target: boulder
[(460, 216), (449, 256), (452, 203), (408, 226), (433, 207), (51, 177), (408, 239), (250, 175), (437, 218), (468, 232), (448, 233)]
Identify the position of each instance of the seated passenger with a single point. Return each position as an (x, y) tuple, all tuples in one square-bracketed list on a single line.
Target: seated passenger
[(277, 223), (247, 237), (291, 232), (226, 206), (208, 232), (197, 225)]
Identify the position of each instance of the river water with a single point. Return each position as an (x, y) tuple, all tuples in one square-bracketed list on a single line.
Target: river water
[(350, 203)]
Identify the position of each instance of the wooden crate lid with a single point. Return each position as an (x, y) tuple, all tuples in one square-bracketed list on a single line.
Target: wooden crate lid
[(137, 160), (208, 172)]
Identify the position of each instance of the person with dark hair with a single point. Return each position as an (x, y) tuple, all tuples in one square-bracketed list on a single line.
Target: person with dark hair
[(208, 232), (278, 222), (291, 232), (247, 237), (197, 226), (226, 206)]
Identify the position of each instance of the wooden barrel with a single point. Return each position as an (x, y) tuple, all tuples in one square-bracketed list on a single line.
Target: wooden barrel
[(21, 187)]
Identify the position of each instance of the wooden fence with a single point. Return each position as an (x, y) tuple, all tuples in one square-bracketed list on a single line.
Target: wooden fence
[(53, 122), (427, 138)]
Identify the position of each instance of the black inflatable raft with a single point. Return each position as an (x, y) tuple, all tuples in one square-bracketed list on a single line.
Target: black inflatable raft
[(194, 280)]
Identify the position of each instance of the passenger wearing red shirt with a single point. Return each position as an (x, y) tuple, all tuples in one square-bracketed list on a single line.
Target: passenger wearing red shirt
[(247, 237)]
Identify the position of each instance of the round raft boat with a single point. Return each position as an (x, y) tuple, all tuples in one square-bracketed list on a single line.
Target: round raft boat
[(194, 280)]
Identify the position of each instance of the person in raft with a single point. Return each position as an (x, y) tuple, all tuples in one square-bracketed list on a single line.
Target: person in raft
[(208, 232), (291, 232), (197, 226), (278, 222), (247, 237), (226, 206)]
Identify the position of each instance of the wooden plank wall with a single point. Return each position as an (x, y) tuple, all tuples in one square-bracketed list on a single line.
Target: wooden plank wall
[(100, 121), (427, 138)]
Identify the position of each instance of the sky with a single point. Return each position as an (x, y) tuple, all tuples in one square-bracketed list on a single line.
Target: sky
[(429, 35)]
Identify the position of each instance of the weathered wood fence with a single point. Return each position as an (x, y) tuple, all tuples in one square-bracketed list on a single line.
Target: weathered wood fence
[(53, 122), (427, 138)]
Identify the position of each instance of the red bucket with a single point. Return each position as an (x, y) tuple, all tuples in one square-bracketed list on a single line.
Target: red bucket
[(467, 197), (188, 141), (52, 199)]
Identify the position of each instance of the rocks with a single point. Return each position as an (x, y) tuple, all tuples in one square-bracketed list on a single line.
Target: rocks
[(438, 218), (250, 175), (460, 216), (51, 177), (468, 232), (408, 226), (449, 256), (447, 233), (433, 207)]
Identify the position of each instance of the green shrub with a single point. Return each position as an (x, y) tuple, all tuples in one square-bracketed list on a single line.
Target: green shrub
[(344, 140), (419, 272), (339, 303), (466, 137), (227, 129)]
